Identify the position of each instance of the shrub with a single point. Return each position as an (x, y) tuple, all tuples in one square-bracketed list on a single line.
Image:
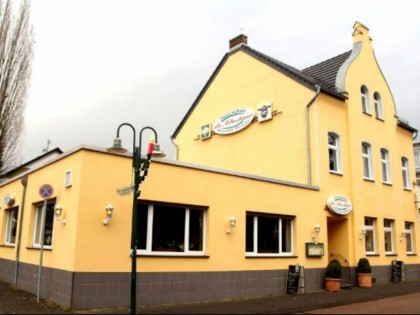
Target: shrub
[(333, 269), (363, 266)]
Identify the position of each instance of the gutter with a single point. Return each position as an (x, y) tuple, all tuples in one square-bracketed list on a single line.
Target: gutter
[(308, 140), (24, 181)]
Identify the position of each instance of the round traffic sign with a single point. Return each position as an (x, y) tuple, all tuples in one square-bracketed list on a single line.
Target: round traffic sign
[(46, 191)]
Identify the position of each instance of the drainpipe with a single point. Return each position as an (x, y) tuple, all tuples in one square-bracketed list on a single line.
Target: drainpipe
[(24, 181), (308, 143), (176, 149)]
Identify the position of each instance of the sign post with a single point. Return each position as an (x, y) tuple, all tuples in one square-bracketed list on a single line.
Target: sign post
[(45, 191)]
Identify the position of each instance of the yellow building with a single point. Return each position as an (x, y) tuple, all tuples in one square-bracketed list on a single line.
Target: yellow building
[(275, 167)]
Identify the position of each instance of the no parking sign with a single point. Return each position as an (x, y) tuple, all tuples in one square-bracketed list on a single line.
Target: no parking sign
[(46, 191)]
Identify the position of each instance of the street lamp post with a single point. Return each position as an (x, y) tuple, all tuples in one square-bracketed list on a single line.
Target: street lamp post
[(141, 167)]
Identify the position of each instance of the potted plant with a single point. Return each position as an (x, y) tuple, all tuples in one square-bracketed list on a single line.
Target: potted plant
[(364, 273), (333, 275)]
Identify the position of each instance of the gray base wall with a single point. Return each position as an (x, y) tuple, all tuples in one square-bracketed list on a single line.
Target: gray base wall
[(89, 290)]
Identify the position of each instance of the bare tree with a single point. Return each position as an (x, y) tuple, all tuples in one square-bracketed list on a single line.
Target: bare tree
[(15, 71)]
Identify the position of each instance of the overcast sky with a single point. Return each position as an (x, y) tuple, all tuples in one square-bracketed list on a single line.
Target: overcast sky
[(100, 63)]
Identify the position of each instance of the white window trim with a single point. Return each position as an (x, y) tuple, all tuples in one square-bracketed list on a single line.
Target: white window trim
[(364, 93), (378, 106), (386, 161), (68, 178), (390, 230), (9, 223), (255, 253), (39, 216), (148, 251), (367, 156), (409, 234), (337, 149), (405, 168), (371, 228)]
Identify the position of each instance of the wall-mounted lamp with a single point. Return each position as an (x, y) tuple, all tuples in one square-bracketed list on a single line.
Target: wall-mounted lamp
[(402, 236), (363, 234), (232, 224), (57, 213), (317, 229), (108, 211)]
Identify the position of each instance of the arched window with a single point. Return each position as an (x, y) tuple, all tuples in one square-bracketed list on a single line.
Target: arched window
[(378, 105), (364, 93), (367, 160), (334, 152)]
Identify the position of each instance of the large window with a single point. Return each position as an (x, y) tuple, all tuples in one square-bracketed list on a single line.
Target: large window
[(378, 106), (11, 226), (408, 233), (367, 161), (171, 230), (334, 152), (268, 235), (389, 236), (405, 173), (369, 231), (49, 225), (386, 170), (364, 93)]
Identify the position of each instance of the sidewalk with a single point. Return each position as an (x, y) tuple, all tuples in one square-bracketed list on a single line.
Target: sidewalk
[(15, 301)]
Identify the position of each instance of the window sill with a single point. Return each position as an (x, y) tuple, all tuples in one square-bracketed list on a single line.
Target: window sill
[(366, 113), (407, 188), (369, 179), (269, 256), (411, 254), (390, 255), (49, 248), (336, 173), (387, 183), (8, 245), (372, 255), (380, 119), (171, 256)]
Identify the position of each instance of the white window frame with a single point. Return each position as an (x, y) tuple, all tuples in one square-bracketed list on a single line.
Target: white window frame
[(370, 231), (405, 170), (389, 230), (364, 94), (417, 159), (186, 252), (11, 223), (378, 106), (281, 253), (386, 168), (68, 178), (367, 161), (38, 219), (335, 149), (409, 237)]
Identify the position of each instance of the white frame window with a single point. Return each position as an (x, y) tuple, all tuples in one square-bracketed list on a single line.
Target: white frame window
[(405, 170), (370, 238), (417, 159), (364, 94), (166, 230), (367, 161), (11, 226), (49, 225), (386, 169), (269, 235), (378, 105), (68, 177), (389, 236), (334, 153), (409, 239)]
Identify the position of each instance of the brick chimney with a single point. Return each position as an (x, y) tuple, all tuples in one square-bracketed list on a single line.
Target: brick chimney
[(238, 40)]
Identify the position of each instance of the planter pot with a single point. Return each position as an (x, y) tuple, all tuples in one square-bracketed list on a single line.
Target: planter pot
[(364, 280), (332, 284)]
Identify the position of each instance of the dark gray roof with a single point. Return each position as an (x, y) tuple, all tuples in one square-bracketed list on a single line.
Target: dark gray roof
[(322, 74), (326, 72)]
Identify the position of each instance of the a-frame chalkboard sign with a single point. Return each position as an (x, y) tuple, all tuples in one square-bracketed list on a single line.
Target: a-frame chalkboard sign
[(295, 279)]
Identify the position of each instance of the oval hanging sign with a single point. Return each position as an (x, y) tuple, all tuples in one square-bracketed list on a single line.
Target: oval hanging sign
[(339, 204), (233, 121)]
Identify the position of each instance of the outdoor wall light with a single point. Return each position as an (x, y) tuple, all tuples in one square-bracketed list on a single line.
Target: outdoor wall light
[(363, 234), (403, 235), (232, 224), (317, 229), (108, 211), (57, 213)]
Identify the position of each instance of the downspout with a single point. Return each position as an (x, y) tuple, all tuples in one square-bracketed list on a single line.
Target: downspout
[(308, 140), (176, 148), (24, 181)]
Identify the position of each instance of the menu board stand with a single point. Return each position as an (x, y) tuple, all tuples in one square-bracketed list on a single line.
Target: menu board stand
[(295, 280)]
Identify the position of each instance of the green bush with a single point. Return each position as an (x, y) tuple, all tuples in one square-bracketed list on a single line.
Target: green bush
[(363, 266), (333, 269)]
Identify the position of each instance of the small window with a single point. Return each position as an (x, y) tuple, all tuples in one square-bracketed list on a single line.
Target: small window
[(367, 161), (378, 106), (365, 99), (405, 173), (171, 230), (417, 159), (389, 236), (334, 152), (268, 235), (409, 239), (68, 179), (11, 226), (369, 231), (386, 170), (48, 228)]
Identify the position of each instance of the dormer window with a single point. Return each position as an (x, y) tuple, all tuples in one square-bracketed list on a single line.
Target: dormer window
[(378, 106), (364, 93)]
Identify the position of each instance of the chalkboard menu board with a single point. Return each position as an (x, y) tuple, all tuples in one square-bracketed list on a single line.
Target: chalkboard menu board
[(293, 275), (396, 271)]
